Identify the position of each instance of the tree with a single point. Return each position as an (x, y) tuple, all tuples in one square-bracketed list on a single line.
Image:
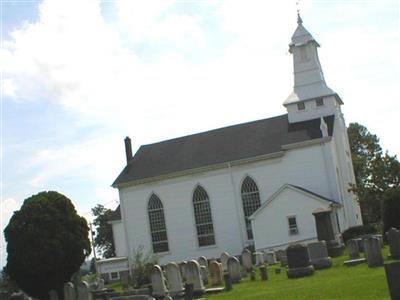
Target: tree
[(104, 237), (374, 171), (47, 242), (391, 209)]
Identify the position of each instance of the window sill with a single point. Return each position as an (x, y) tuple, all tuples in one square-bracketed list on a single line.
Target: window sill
[(207, 247)]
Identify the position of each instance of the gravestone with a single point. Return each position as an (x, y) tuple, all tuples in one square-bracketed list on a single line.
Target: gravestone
[(158, 282), (247, 260), (270, 257), (189, 291), (354, 262), (227, 282), (392, 271), (84, 291), (53, 295), (202, 260), (380, 238), (69, 291), (352, 246), (299, 264), (319, 255), (204, 274), (224, 261), (193, 276), (174, 279), (100, 285), (360, 244), (259, 258), (279, 253), (216, 273), (263, 272), (182, 268), (393, 236), (234, 269), (373, 252)]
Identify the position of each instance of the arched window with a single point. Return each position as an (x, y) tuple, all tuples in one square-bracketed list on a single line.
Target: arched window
[(251, 202), (203, 217), (158, 229)]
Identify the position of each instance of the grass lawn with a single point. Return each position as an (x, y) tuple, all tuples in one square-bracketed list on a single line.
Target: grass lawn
[(339, 282)]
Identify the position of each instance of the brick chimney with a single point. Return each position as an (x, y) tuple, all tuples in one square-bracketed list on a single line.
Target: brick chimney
[(128, 149)]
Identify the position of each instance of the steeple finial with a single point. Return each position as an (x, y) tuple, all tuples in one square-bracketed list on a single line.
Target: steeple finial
[(299, 20)]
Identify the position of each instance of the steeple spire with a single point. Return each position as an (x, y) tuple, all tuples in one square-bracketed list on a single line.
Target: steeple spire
[(309, 81)]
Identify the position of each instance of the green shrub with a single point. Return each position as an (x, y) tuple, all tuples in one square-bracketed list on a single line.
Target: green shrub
[(141, 266), (356, 231), (391, 209)]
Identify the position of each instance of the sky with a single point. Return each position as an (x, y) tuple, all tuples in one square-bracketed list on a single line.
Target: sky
[(77, 76)]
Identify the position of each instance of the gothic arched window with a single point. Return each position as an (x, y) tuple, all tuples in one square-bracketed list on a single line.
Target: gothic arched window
[(251, 202), (158, 229), (203, 217)]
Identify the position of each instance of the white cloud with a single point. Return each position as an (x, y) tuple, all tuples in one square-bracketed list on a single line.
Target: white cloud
[(94, 69)]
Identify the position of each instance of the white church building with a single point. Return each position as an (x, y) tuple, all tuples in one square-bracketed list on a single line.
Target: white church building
[(264, 184)]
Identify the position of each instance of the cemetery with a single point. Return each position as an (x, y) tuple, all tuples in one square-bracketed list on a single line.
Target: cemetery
[(301, 271)]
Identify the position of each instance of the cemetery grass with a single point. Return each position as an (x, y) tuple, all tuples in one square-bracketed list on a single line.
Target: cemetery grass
[(337, 282)]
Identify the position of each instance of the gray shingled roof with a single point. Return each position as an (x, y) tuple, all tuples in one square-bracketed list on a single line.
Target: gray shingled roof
[(221, 145)]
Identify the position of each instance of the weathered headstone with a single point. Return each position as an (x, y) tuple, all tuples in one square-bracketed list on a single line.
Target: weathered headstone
[(224, 261), (270, 257), (158, 282), (373, 252), (299, 264), (174, 279), (216, 273), (234, 269), (279, 253), (393, 279), (182, 268), (354, 262), (319, 255), (204, 274), (228, 282), (69, 291), (247, 260), (53, 295), (393, 236), (263, 272), (380, 238), (259, 257), (202, 260), (360, 244), (193, 276), (354, 250), (84, 291), (189, 291), (100, 285)]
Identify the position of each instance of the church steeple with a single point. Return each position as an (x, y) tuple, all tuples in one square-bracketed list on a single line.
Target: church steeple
[(309, 81)]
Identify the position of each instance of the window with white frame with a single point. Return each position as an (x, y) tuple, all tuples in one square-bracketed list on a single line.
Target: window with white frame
[(292, 222), (114, 275), (203, 217), (251, 202), (158, 229), (301, 106)]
